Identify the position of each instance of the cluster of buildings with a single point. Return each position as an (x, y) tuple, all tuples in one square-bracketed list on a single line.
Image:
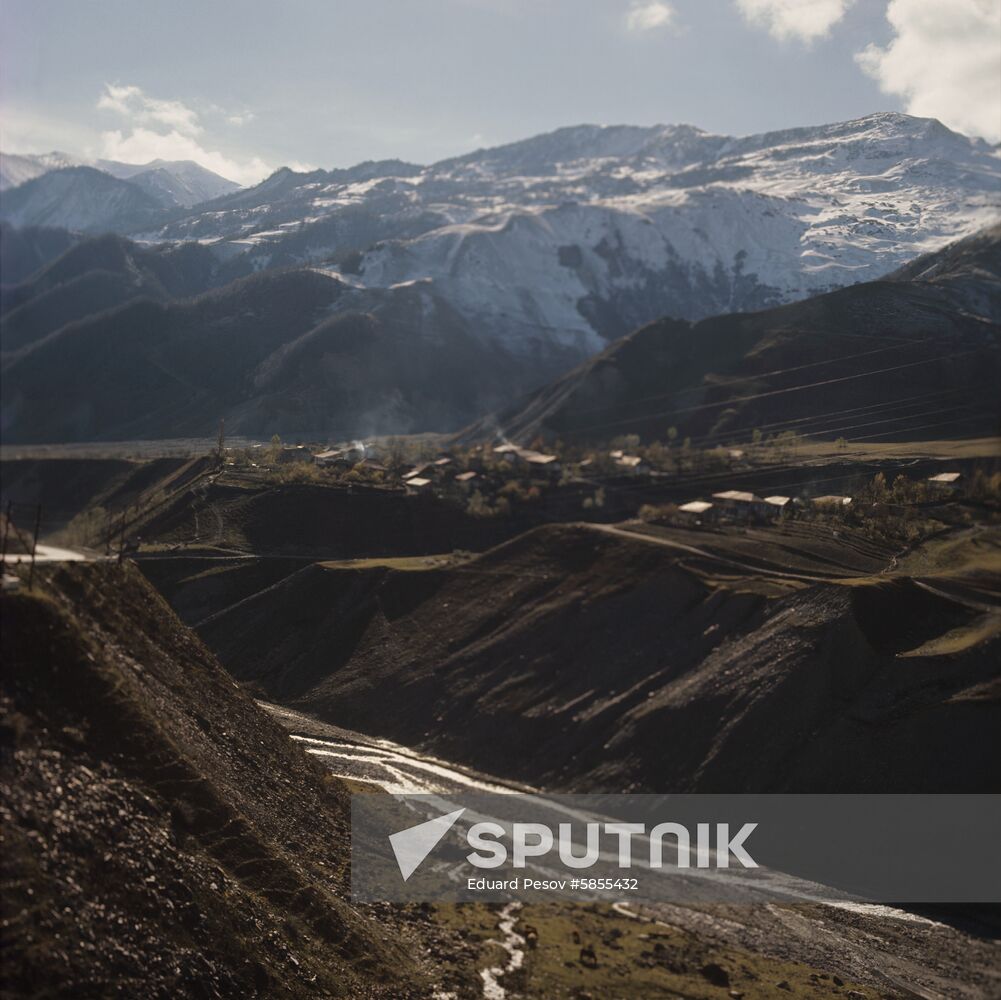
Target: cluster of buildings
[(740, 507), (423, 477), (536, 462)]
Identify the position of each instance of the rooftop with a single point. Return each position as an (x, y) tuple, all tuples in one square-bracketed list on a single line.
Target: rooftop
[(737, 496), (695, 506)]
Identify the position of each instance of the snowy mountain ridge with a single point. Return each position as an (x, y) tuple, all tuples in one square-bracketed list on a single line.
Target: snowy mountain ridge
[(567, 239), (554, 245), (174, 183)]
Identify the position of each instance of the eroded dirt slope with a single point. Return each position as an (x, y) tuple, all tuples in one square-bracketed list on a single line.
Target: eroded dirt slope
[(577, 657), (162, 836)]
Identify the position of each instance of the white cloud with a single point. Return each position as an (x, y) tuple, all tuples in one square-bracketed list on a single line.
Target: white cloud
[(242, 118), (28, 129), (140, 145), (945, 61), (132, 103), (804, 20), (169, 130), (648, 15)]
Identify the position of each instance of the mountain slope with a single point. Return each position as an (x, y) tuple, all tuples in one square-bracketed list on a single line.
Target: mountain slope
[(24, 251), (18, 168), (148, 369), (161, 833), (98, 274), (588, 657), (567, 240), (916, 354), (175, 183), (80, 198), (293, 352)]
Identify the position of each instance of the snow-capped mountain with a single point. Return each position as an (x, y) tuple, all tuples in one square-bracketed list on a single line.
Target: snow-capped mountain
[(174, 183), (16, 168), (81, 199), (566, 239)]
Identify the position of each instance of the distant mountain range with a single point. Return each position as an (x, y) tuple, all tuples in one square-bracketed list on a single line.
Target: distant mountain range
[(432, 295), (115, 341), (558, 244), (172, 184)]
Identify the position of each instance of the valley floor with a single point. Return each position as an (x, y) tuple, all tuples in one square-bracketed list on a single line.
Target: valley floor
[(881, 951)]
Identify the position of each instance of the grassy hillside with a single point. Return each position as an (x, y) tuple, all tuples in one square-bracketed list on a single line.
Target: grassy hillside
[(163, 837)]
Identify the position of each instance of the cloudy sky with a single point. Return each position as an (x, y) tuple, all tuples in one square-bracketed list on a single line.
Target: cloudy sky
[(245, 86)]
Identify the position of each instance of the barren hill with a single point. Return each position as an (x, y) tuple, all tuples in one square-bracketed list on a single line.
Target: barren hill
[(588, 656), (163, 837)]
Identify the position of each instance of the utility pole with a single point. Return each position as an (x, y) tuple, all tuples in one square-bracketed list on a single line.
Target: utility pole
[(221, 448), (121, 538), (109, 530), (6, 533), (34, 545)]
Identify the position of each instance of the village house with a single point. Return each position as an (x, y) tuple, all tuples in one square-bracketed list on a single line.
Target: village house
[(739, 505), (632, 465), (417, 484), (945, 482), (696, 512), (778, 505), (417, 470), (539, 463), (344, 458), (536, 462), (506, 449)]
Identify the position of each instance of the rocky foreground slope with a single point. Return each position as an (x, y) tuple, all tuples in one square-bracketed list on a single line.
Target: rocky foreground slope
[(162, 836)]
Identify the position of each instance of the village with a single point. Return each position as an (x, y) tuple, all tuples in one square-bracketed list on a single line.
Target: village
[(666, 483)]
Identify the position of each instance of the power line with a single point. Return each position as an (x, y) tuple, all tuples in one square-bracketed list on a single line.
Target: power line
[(703, 386), (775, 392), (820, 418)]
